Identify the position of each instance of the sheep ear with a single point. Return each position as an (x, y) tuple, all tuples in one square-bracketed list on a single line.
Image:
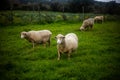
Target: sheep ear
[(55, 37), (25, 34), (63, 37)]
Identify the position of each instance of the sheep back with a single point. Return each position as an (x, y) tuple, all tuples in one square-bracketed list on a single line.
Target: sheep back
[(71, 41), (99, 18), (87, 23), (39, 36)]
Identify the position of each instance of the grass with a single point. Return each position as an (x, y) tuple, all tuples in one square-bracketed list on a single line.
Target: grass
[(97, 57)]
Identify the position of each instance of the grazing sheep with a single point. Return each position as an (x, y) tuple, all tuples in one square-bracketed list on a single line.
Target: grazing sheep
[(87, 23), (99, 19), (42, 36), (66, 44)]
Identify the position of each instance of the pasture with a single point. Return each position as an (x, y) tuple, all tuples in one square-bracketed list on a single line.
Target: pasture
[(97, 57)]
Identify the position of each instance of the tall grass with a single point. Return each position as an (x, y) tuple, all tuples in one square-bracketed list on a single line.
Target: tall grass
[(97, 57)]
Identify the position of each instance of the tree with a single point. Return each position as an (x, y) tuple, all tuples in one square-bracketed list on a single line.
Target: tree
[(56, 6), (113, 8), (76, 5), (4, 4)]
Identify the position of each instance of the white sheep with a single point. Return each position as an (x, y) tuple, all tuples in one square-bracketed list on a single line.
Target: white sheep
[(88, 23), (41, 36), (99, 19), (66, 44)]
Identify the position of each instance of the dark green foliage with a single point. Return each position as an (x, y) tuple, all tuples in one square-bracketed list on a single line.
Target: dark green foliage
[(112, 7), (29, 17)]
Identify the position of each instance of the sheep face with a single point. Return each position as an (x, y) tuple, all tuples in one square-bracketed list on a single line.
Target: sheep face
[(82, 28), (23, 34), (60, 38)]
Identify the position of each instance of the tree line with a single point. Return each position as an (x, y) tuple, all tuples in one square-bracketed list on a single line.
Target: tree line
[(74, 6)]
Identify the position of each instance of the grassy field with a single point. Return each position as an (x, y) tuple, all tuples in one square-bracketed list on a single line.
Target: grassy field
[(97, 57)]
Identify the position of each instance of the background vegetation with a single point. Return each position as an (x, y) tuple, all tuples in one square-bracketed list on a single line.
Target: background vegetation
[(46, 17)]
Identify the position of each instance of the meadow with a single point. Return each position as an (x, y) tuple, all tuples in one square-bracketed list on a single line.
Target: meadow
[(97, 57)]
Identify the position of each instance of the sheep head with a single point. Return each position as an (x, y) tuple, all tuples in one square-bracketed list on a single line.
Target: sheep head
[(23, 34), (60, 39), (82, 28)]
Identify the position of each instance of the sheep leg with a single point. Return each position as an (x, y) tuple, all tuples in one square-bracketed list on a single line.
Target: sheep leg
[(101, 21), (49, 42), (44, 44), (91, 26), (33, 44), (86, 29), (69, 55), (58, 55)]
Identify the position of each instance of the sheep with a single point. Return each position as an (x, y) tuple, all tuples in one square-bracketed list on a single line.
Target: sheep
[(66, 44), (99, 19), (41, 36), (87, 23)]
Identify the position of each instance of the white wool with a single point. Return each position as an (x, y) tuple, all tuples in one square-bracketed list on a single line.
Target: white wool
[(99, 18), (41, 36), (88, 23), (67, 43), (71, 41)]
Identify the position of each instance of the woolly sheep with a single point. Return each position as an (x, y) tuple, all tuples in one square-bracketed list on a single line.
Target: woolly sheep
[(87, 23), (41, 36), (66, 44), (99, 19)]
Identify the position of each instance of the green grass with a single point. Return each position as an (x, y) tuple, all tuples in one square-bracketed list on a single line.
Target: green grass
[(97, 57)]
